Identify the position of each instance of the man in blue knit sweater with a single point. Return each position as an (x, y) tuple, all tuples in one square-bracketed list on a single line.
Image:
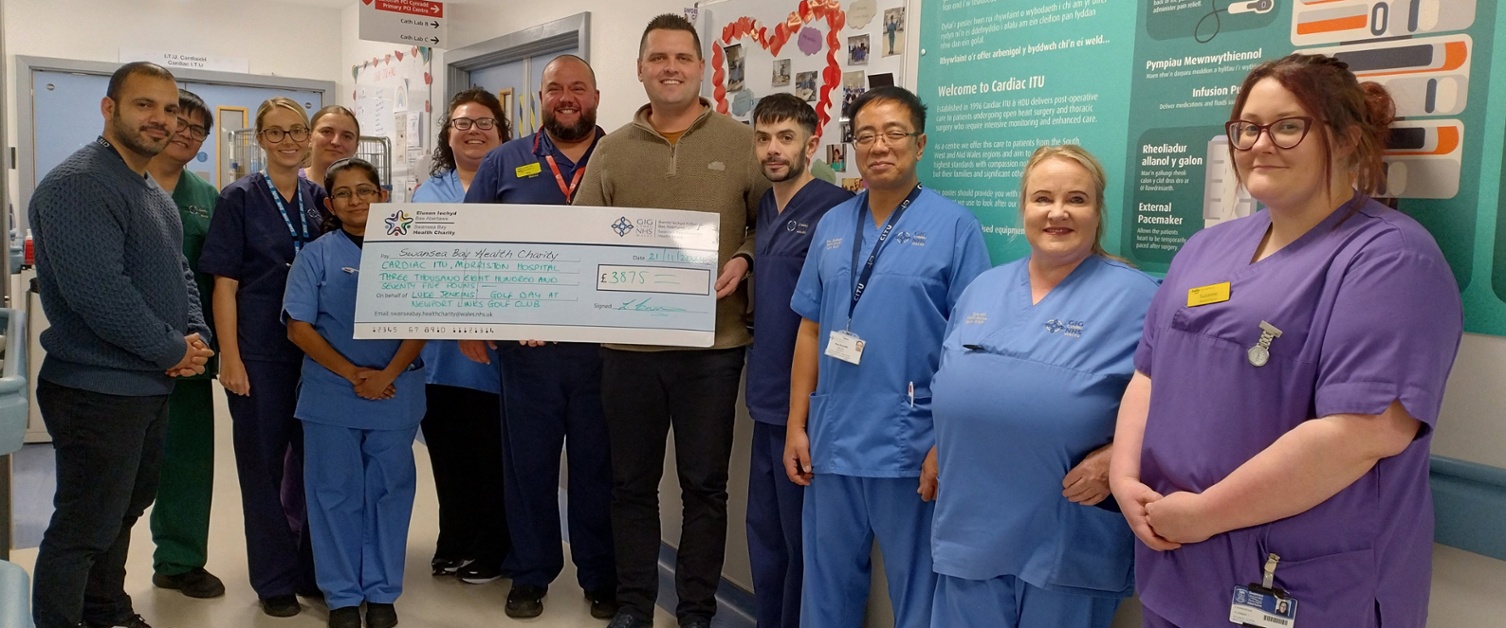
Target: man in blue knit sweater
[(125, 321)]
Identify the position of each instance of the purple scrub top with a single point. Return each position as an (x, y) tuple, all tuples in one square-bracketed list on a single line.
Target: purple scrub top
[(1369, 313)]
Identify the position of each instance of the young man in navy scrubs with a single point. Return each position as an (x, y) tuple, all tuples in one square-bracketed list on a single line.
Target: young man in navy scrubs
[(552, 392), (784, 139)]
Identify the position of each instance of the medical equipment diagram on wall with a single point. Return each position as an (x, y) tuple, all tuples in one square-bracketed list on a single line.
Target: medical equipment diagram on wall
[(1399, 44)]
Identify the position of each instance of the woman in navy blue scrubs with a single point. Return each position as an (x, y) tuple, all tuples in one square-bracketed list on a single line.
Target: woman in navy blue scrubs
[(260, 223)]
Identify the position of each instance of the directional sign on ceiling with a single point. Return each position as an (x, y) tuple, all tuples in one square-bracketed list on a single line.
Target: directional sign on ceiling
[(409, 22)]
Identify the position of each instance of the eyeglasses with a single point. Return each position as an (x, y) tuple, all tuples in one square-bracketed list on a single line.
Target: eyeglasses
[(275, 135), (197, 132), (465, 124), (364, 193), (890, 137), (1285, 133)]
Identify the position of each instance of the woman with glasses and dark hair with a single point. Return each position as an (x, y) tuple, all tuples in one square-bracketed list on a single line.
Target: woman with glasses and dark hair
[(1272, 445), (260, 223), (334, 134), (463, 425)]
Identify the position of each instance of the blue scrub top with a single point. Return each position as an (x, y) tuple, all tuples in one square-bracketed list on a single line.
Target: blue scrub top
[(322, 291), (443, 363), (862, 420), (782, 240), (249, 242), (498, 179), (1024, 393)]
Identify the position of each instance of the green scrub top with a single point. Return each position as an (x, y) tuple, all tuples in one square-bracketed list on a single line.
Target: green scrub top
[(195, 198)]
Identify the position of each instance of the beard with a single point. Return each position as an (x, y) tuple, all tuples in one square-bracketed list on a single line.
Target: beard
[(795, 169), (135, 140), (585, 125)]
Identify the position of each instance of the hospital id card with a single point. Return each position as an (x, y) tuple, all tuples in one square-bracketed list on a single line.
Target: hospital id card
[(1256, 606), (845, 346)]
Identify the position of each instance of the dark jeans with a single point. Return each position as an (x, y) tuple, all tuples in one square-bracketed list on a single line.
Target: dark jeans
[(644, 394), (463, 430), (109, 453)]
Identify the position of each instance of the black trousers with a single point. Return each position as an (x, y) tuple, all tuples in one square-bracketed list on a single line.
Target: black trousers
[(109, 455), (645, 394), (463, 430)]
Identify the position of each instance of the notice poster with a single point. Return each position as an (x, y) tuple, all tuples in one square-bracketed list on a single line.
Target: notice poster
[(1002, 78), (1147, 87)]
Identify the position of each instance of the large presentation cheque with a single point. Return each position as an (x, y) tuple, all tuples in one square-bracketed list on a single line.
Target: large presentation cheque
[(545, 272)]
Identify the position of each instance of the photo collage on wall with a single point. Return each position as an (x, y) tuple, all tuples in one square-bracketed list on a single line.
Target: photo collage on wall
[(823, 52)]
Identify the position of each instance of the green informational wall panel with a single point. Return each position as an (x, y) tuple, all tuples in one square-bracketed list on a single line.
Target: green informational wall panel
[(1147, 86)]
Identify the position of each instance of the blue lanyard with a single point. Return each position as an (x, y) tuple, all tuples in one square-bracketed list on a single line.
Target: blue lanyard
[(860, 282), (303, 217)]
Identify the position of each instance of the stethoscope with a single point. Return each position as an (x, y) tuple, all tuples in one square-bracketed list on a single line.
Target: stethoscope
[(1239, 6)]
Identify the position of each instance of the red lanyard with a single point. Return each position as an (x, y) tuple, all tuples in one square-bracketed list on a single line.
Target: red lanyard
[(568, 191), (560, 179)]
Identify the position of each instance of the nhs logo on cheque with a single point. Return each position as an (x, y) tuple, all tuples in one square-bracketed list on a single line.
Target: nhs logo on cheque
[(640, 228)]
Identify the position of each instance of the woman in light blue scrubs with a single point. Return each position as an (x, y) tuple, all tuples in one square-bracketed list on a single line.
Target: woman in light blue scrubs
[(463, 425), (360, 402), (1037, 355)]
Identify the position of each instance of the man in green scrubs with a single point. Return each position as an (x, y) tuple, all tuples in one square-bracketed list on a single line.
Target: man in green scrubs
[(180, 520)]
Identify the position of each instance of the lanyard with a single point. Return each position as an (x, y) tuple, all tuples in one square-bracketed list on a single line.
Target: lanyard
[(860, 281), (568, 191), (303, 219)]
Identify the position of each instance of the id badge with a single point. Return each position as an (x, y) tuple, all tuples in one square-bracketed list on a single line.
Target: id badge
[(1258, 606), (845, 346)]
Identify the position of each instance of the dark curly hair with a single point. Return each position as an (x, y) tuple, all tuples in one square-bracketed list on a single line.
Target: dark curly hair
[(444, 157)]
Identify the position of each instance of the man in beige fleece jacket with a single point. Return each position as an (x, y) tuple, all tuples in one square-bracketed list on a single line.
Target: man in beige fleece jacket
[(677, 154)]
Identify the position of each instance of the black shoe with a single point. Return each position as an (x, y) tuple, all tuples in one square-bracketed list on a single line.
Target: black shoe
[(624, 620), (380, 615), (524, 601), (478, 573), (695, 622), (134, 622), (195, 584), (448, 566), (603, 602), (281, 606), (347, 617)]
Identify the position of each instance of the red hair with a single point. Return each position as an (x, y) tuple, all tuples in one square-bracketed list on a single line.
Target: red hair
[(1329, 92)]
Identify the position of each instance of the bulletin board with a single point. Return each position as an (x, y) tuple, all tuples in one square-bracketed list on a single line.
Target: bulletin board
[(393, 100), (1147, 86), (825, 51)]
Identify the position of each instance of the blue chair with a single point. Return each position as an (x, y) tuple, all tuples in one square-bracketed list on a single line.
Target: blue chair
[(15, 591), (14, 399)]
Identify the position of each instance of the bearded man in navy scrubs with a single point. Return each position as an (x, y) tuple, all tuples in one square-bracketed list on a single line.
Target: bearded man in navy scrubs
[(784, 138), (551, 392)]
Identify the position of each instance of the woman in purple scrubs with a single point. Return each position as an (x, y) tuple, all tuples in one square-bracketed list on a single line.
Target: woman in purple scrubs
[(1277, 470)]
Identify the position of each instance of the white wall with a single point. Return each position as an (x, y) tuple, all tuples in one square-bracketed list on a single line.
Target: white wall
[(277, 39)]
